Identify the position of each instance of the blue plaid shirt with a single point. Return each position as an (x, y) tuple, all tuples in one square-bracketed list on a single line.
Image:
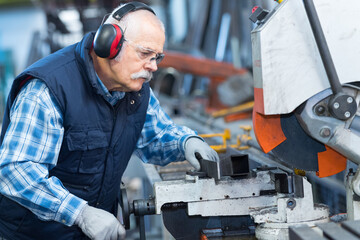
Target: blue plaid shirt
[(33, 140)]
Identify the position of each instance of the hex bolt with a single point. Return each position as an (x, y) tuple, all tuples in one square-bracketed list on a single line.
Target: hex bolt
[(291, 203), (325, 132), (347, 114), (320, 110), (349, 100), (336, 105)]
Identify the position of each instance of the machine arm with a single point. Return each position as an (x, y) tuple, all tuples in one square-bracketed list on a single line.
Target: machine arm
[(342, 136), (342, 106)]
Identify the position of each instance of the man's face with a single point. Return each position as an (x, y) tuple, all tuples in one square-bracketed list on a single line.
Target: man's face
[(137, 60)]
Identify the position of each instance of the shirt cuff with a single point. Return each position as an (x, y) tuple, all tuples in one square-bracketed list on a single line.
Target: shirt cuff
[(69, 209)]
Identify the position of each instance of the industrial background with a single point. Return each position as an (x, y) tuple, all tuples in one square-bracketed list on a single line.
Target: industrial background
[(207, 82)]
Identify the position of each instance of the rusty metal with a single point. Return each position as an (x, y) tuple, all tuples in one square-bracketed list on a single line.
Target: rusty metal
[(217, 72)]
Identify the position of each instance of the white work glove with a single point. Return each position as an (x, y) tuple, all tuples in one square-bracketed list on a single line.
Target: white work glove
[(193, 145), (99, 224)]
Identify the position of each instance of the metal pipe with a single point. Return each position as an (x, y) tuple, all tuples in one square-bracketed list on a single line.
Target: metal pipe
[(322, 46)]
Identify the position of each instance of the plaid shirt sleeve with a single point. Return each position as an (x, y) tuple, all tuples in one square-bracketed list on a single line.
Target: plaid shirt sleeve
[(161, 140), (30, 148)]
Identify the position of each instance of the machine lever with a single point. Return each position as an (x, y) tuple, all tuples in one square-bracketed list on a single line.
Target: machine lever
[(341, 106), (322, 46)]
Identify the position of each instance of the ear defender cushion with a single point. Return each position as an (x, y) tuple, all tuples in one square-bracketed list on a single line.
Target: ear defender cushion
[(108, 41)]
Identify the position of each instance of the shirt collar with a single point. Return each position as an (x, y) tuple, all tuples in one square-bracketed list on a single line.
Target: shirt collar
[(111, 97)]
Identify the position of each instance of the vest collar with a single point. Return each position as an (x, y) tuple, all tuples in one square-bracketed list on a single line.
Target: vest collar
[(82, 54)]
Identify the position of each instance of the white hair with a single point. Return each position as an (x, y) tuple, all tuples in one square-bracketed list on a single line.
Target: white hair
[(124, 21)]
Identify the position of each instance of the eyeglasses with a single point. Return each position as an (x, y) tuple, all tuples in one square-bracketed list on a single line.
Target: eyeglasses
[(146, 54)]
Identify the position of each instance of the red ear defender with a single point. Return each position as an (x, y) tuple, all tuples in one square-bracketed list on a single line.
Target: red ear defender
[(117, 43), (108, 41), (110, 37)]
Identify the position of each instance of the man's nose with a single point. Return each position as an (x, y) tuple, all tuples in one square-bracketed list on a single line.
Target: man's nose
[(151, 65)]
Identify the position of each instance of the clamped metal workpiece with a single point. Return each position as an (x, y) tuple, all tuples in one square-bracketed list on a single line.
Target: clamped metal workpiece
[(235, 165)]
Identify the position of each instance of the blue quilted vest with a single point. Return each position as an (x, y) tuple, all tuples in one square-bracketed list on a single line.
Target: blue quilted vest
[(98, 140)]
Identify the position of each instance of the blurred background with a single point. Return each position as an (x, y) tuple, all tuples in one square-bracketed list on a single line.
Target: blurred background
[(213, 29)]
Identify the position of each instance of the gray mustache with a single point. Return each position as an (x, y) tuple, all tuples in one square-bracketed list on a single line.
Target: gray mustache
[(143, 74)]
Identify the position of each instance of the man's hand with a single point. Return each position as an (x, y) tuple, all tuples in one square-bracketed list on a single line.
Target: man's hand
[(194, 145), (98, 224)]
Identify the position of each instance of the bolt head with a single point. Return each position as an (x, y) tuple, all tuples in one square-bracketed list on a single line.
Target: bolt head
[(320, 110), (349, 99), (325, 132)]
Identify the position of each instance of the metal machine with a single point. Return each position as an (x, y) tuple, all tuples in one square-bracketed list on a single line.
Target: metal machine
[(305, 66), (237, 197), (306, 109)]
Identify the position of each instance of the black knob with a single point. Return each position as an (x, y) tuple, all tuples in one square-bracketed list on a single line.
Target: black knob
[(258, 14)]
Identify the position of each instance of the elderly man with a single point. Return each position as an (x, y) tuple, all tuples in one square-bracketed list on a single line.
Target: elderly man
[(73, 120)]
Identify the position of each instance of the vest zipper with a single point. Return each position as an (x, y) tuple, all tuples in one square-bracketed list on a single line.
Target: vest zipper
[(114, 111)]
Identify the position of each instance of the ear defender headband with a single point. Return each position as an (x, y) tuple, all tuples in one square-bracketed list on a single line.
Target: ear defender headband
[(110, 37)]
